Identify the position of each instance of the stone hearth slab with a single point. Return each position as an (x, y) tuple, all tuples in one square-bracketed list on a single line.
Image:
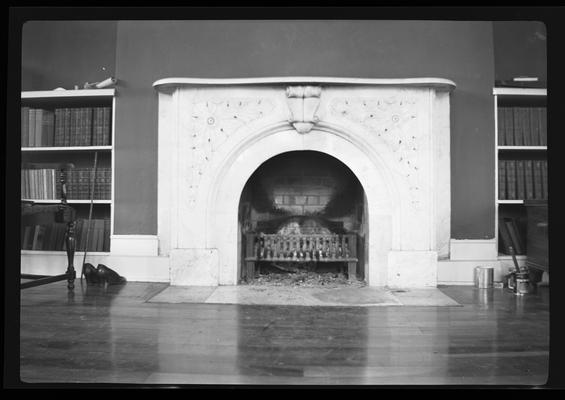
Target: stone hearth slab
[(303, 296)]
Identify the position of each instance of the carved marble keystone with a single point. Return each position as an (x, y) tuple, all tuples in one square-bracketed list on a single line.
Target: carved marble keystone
[(303, 102)]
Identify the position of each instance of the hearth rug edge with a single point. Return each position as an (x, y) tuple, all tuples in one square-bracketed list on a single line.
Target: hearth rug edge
[(302, 296)]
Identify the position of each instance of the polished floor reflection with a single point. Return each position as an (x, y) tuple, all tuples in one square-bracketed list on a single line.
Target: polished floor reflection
[(114, 335)]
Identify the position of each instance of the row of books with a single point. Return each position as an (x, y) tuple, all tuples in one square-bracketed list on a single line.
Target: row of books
[(63, 127), (522, 180), (522, 126), (510, 236), (52, 236), (40, 184), (44, 184)]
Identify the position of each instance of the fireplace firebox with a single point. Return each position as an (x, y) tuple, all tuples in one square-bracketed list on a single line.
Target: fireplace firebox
[(301, 210)]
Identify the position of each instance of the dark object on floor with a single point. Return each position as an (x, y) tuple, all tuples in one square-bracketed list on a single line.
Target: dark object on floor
[(101, 275), (537, 239), (109, 276), (63, 214)]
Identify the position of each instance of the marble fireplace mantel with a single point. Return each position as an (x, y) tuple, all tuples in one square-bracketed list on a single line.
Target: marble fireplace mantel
[(394, 134)]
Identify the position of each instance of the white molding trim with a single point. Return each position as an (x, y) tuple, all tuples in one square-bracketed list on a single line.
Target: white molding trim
[(133, 268), (462, 272), (470, 249), (439, 83), (134, 245)]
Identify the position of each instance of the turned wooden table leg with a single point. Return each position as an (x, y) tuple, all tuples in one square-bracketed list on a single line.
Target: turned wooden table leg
[(250, 270), (352, 270), (70, 244)]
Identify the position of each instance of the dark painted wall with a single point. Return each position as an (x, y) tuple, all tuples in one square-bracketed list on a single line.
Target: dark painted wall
[(520, 49), (67, 53), (460, 51), (145, 51)]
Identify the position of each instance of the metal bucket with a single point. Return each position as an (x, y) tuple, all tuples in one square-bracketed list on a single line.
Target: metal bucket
[(484, 277), (522, 283), (522, 286)]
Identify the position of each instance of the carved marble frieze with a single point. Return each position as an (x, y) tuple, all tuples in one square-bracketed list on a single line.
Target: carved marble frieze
[(209, 125), (392, 121)]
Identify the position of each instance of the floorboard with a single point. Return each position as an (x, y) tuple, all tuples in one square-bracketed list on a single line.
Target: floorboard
[(114, 335)]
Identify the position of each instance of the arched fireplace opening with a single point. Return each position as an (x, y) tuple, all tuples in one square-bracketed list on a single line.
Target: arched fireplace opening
[(302, 215)]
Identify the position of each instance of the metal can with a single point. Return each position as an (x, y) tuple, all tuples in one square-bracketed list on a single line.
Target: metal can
[(484, 277)]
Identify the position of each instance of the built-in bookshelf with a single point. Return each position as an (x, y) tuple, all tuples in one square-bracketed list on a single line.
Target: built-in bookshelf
[(74, 127), (520, 159)]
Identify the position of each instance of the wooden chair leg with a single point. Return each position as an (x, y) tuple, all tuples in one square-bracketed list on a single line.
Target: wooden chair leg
[(70, 242)]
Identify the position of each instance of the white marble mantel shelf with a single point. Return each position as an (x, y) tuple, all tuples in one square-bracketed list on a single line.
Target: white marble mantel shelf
[(437, 83)]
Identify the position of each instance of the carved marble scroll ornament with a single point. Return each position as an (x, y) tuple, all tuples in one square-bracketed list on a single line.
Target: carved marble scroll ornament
[(303, 102)]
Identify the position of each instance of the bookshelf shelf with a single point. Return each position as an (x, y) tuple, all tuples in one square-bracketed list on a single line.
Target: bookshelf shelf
[(508, 91), (520, 158), (68, 94), (67, 148), (523, 148), (74, 127), (70, 201), (510, 201)]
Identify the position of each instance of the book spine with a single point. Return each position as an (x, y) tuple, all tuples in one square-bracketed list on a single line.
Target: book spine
[(528, 165), (501, 179), (518, 127), (27, 238), (22, 184), (39, 140), (31, 184), (80, 126), (62, 245), (106, 245), (88, 126), (44, 175), (106, 126), (73, 127), (25, 188), (70, 183), (509, 126), (520, 180), (109, 184), (49, 233), (511, 179), (500, 128), (538, 191), (543, 126), (82, 123), (25, 126), (525, 117), (41, 239), (35, 235), (31, 131), (67, 126), (544, 179), (514, 235), (47, 128), (96, 192), (534, 127), (97, 139), (100, 235), (58, 124)]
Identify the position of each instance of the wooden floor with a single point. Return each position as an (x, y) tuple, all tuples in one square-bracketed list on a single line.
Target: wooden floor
[(115, 336)]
